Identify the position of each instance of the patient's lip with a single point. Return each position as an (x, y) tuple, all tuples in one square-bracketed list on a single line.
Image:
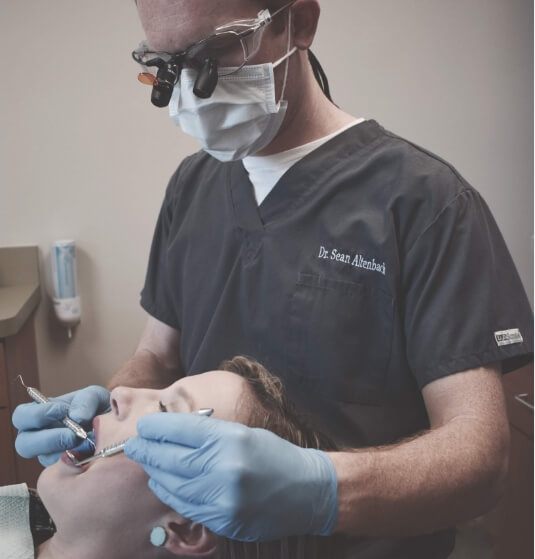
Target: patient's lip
[(66, 460)]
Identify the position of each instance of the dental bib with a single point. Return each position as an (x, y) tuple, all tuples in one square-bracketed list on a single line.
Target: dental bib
[(16, 540)]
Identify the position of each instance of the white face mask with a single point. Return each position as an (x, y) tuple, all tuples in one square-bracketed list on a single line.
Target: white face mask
[(240, 118)]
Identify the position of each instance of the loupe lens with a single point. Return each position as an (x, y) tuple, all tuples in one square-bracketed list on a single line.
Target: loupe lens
[(206, 79), (164, 85)]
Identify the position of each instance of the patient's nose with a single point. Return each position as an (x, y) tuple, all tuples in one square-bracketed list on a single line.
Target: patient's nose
[(121, 401)]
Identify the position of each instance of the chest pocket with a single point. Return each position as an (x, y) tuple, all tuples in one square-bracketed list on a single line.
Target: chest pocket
[(339, 337)]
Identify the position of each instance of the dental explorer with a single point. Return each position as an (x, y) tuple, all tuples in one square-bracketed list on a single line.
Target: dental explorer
[(116, 448), (40, 398)]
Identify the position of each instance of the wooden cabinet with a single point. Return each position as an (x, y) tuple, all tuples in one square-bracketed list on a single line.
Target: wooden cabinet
[(17, 356), (510, 525), (7, 459), (20, 294)]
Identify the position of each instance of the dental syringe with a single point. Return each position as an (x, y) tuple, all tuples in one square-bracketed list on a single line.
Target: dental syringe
[(119, 447), (40, 398)]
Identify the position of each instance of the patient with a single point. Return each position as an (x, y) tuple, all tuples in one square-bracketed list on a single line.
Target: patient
[(106, 509)]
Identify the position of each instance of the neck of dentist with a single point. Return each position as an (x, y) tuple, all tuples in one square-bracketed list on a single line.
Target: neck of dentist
[(310, 114)]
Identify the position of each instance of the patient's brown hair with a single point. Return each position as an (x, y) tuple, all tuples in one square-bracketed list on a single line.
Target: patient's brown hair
[(276, 413)]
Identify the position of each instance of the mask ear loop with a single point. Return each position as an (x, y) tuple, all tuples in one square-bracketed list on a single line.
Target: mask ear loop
[(286, 56)]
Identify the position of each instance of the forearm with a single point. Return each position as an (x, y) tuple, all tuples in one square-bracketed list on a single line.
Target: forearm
[(144, 370), (436, 480)]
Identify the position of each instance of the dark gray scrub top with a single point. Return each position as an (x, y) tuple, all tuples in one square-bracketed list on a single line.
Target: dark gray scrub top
[(371, 269)]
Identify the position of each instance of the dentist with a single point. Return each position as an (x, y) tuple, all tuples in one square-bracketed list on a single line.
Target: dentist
[(394, 346)]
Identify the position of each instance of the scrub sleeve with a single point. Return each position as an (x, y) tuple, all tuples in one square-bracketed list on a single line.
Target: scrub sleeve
[(465, 306), (156, 296)]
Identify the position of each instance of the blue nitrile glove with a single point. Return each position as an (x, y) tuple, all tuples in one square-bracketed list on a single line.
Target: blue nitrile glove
[(41, 432), (243, 483)]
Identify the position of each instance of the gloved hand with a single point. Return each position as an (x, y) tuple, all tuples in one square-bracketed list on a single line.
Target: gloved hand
[(243, 483), (41, 432)]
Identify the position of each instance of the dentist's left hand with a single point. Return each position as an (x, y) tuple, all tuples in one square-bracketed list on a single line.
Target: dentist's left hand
[(243, 483)]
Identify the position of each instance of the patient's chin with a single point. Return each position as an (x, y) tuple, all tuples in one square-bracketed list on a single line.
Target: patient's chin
[(70, 496), (49, 486), (59, 487)]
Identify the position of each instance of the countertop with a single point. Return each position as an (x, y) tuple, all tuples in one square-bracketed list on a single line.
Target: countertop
[(20, 290)]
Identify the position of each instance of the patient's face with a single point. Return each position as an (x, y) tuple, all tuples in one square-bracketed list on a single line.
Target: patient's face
[(112, 493)]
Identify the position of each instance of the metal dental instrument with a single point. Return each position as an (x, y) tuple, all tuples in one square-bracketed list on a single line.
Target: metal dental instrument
[(104, 453), (119, 447), (40, 398)]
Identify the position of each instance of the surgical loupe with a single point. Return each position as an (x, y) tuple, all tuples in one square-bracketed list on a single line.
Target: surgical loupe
[(223, 53)]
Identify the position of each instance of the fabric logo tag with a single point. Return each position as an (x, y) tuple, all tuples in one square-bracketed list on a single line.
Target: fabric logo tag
[(507, 337)]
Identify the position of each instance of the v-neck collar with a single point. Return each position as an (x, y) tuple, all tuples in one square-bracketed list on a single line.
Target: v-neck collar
[(301, 178)]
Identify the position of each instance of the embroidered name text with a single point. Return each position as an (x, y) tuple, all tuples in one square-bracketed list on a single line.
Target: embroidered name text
[(357, 260)]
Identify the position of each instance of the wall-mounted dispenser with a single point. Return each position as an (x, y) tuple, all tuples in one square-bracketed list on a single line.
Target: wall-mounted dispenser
[(65, 296)]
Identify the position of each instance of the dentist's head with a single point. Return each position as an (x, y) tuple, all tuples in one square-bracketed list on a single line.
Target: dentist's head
[(257, 55)]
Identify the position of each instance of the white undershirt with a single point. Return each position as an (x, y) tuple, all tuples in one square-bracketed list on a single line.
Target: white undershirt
[(266, 170)]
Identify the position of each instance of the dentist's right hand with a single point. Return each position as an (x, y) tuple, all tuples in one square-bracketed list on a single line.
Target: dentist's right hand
[(41, 432)]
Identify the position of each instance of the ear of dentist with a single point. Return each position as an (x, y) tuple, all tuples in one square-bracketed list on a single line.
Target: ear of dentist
[(243, 483)]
